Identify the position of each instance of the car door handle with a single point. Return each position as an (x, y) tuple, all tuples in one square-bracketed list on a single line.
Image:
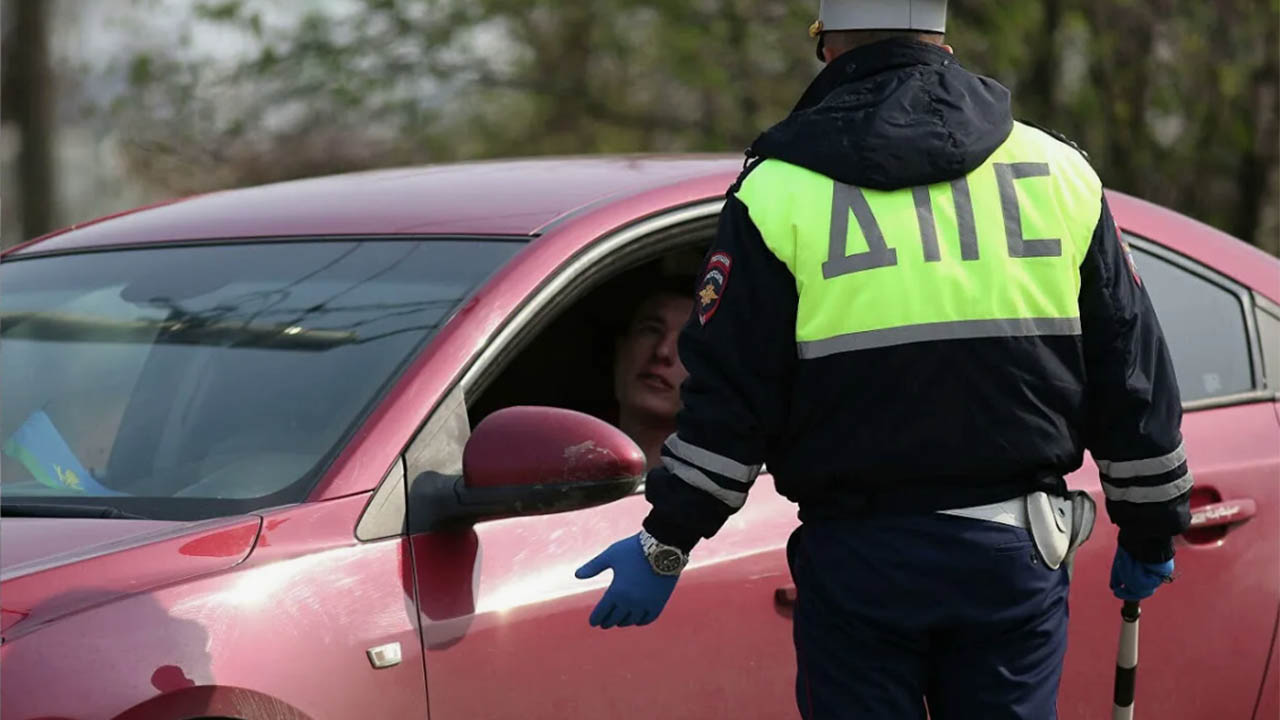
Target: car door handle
[(1228, 512), (784, 601)]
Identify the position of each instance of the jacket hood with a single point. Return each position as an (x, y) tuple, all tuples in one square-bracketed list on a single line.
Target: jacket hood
[(890, 115)]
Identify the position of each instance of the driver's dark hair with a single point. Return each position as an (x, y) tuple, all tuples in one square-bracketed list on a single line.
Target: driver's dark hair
[(653, 284), (669, 284)]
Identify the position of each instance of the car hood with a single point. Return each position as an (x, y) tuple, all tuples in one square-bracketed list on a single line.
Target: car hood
[(51, 567)]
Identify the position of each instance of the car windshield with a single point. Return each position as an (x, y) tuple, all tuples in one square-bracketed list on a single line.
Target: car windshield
[(193, 381)]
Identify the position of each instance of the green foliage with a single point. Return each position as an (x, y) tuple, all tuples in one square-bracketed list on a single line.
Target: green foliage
[(1175, 100), (140, 70), (218, 10)]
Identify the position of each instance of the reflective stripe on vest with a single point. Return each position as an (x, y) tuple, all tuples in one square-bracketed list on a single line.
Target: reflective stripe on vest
[(995, 253)]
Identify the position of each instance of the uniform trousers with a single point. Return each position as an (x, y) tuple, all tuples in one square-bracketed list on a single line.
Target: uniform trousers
[(896, 611)]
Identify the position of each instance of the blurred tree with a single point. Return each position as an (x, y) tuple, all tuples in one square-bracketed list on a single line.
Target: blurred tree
[(404, 81), (1176, 100), (27, 103)]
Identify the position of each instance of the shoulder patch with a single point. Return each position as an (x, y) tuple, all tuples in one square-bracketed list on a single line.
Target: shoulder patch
[(1128, 256), (711, 287)]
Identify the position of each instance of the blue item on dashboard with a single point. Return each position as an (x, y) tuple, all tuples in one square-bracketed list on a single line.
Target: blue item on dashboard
[(637, 594), (39, 446)]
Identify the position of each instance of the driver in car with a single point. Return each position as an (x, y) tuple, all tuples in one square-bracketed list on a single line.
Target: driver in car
[(647, 371)]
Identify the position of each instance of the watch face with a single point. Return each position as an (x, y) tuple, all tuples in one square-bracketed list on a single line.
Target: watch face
[(667, 561)]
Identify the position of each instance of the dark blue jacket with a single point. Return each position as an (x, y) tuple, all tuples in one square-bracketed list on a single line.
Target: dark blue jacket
[(922, 426)]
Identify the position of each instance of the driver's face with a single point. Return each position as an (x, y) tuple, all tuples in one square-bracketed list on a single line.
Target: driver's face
[(647, 372)]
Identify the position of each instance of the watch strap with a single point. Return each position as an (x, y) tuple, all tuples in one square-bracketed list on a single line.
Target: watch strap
[(654, 548)]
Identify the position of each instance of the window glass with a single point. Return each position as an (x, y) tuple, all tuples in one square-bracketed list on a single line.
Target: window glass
[(1204, 325), (215, 374), (1269, 332)]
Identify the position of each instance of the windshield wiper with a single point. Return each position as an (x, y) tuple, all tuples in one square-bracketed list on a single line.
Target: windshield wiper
[(52, 510)]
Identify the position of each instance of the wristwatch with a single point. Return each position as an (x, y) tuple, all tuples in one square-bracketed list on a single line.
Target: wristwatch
[(664, 559)]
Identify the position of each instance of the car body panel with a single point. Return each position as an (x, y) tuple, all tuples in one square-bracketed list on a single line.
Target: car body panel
[(454, 199), (1269, 697), (274, 616), (1238, 260), (493, 597), (27, 543), (387, 431), (1205, 637), (287, 628), (539, 196), (67, 583)]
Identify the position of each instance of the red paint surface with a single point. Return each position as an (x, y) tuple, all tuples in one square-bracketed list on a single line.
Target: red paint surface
[(512, 610), (538, 445), (1269, 697), (376, 445), (1231, 257), (60, 231), (513, 197), (43, 591), (381, 439), (1205, 637), (572, 201), (282, 634), (35, 541), (226, 543), (161, 620)]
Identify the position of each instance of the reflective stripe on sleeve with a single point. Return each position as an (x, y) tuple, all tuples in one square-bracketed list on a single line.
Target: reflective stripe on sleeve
[(698, 479), (714, 462), (1140, 494), (1149, 466)]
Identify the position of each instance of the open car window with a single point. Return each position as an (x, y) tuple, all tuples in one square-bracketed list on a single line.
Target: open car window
[(192, 381), (569, 361)]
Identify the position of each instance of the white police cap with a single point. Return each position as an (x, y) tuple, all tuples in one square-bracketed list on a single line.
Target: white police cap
[(918, 15)]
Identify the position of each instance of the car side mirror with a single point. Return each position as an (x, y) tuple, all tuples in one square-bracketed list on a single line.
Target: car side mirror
[(531, 461)]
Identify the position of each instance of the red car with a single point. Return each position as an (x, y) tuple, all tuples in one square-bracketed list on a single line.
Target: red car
[(324, 449)]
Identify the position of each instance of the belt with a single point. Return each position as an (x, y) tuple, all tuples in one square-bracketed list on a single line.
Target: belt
[(1010, 512)]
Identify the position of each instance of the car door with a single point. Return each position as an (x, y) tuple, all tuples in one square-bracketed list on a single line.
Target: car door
[(504, 621), (506, 633), (1207, 636)]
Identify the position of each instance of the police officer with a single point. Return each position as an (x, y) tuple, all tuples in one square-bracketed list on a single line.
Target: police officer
[(919, 314)]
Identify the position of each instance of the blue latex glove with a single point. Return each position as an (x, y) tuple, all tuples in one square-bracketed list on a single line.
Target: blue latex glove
[(637, 593), (1134, 580)]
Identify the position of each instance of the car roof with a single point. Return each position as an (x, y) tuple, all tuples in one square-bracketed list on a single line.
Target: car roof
[(500, 197), (1245, 263), (524, 197)]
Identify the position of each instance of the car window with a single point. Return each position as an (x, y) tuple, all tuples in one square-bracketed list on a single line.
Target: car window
[(1204, 324), (570, 361), (212, 374), (1269, 334)]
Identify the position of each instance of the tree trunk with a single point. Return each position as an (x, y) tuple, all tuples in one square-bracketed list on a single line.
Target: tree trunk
[(28, 103), (1042, 86), (566, 47), (1257, 167), (744, 84)]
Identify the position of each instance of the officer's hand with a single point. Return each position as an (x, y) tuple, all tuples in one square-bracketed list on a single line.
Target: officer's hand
[(637, 593), (1134, 580)]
